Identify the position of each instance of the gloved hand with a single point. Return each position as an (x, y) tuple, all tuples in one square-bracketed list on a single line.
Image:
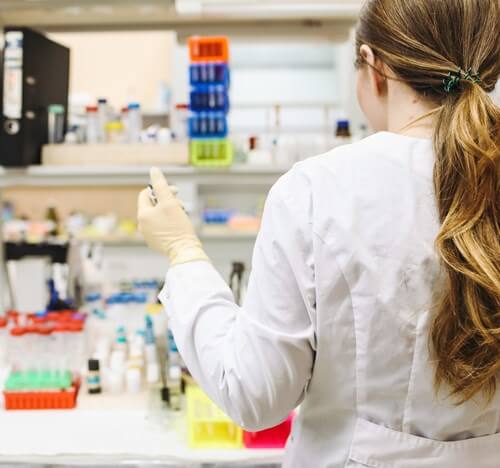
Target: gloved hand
[(165, 226)]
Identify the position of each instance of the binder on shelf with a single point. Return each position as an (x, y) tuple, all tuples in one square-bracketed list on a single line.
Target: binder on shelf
[(35, 75)]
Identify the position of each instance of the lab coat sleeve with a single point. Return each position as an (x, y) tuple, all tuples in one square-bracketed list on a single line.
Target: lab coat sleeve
[(255, 361)]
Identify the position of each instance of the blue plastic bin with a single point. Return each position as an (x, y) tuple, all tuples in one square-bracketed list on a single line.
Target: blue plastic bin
[(209, 74), (209, 99), (208, 125)]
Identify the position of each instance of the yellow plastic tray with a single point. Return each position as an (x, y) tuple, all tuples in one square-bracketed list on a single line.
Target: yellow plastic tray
[(208, 426)]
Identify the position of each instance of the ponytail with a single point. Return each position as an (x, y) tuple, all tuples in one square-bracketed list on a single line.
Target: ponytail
[(425, 42), (465, 334)]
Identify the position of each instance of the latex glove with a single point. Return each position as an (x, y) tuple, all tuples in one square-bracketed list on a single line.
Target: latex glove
[(165, 226)]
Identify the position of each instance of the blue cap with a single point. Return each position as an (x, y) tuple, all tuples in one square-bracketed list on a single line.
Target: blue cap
[(343, 124), (102, 101), (134, 105), (93, 297)]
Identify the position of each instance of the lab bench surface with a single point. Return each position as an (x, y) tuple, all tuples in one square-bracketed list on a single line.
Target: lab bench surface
[(107, 430)]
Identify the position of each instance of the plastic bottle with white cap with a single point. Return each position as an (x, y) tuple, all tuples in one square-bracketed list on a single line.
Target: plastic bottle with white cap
[(134, 120), (174, 386), (134, 379), (92, 135), (116, 374), (102, 118)]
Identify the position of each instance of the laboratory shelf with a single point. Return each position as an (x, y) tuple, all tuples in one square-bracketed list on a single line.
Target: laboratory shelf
[(224, 233), (137, 175), (111, 430), (206, 234)]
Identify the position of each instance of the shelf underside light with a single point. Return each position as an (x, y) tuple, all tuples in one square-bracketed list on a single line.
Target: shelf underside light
[(270, 9)]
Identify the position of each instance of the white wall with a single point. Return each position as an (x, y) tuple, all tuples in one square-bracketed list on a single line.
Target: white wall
[(121, 66)]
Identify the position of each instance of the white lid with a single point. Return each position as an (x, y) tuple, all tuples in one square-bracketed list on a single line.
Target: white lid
[(133, 377), (174, 373)]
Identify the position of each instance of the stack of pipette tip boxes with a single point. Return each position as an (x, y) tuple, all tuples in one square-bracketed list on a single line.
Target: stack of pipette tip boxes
[(209, 102)]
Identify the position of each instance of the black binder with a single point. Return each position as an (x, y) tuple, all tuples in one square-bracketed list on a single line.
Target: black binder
[(35, 74)]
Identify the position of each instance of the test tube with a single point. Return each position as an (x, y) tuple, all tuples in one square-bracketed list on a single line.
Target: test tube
[(78, 346), (16, 357), (203, 73), (41, 341), (60, 332), (30, 342), (211, 72), (3, 340)]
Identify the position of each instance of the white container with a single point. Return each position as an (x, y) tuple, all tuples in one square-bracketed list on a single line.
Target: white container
[(134, 380), (134, 121), (93, 132), (152, 372), (180, 122), (55, 123), (102, 117), (116, 380)]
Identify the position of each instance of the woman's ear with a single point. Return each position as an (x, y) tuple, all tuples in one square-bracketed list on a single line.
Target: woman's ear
[(378, 82)]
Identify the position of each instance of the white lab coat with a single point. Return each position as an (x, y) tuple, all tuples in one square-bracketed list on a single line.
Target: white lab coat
[(336, 318)]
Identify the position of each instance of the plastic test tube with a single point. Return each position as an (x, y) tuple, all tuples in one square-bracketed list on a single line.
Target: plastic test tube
[(16, 356), (29, 342), (43, 353), (60, 332), (3, 341), (77, 345)]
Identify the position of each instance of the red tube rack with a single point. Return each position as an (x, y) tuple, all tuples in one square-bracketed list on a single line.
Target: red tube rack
[(60, 399), (275, 437)]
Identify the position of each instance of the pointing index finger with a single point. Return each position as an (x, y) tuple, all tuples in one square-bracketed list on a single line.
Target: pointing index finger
[(160, 185)]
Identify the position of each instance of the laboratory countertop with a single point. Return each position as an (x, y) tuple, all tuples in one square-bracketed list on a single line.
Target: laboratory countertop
[(110, 430)]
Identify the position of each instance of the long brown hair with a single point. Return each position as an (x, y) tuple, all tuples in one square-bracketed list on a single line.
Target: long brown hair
[(422, 41)]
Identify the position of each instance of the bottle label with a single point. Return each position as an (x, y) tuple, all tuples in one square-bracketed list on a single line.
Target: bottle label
[(13, 75), (93, 380)]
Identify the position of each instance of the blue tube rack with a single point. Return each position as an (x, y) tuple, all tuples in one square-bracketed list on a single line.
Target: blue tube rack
[(209, 74), (208, 125), (205, 98)]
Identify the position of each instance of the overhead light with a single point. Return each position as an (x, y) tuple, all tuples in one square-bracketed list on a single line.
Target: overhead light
[(188, 7), (275, 8)]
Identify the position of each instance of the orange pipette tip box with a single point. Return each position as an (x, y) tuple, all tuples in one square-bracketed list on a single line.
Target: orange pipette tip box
[(209, 49)]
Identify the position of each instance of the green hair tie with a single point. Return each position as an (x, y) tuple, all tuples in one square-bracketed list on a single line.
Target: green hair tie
[(452, 80)]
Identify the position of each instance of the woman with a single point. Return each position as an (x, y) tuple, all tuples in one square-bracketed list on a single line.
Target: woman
[(374, 300)]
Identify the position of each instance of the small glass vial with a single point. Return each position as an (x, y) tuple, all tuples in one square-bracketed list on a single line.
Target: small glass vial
[(94, 377), (174, 385), (343, 133)]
